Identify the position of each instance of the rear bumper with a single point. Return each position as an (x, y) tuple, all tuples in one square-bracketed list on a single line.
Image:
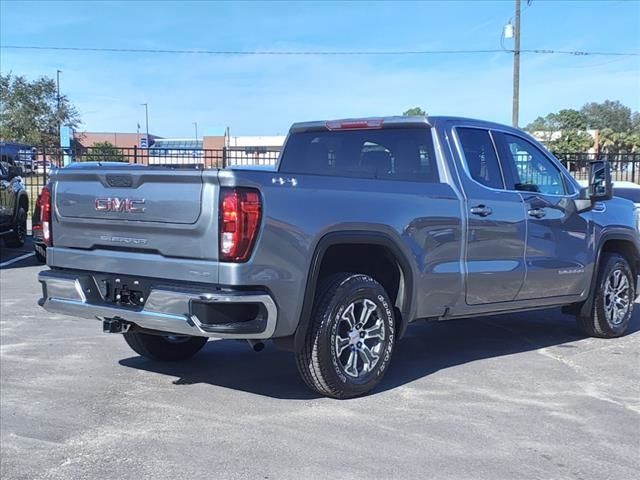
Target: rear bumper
[(166, 309)]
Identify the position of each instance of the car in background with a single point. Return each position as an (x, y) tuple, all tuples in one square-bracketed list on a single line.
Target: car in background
[(39, 226), (18, 154), (629, 191), (14, 205), (42, 167)]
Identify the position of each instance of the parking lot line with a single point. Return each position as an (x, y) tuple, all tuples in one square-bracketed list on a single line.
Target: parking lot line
[(17, 259)]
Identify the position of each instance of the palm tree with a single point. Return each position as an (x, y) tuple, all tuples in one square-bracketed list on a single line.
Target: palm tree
[(606, 140)]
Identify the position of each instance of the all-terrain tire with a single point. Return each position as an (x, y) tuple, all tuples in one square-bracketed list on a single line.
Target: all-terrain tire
[(17, 238), (39, 257), (342, 300), (600, 323), (165, 348)]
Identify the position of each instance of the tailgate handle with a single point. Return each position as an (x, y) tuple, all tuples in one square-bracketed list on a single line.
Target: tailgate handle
[(122, 181)]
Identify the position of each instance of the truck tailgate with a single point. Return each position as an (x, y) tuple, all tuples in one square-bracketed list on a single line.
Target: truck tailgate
[(139, 209)]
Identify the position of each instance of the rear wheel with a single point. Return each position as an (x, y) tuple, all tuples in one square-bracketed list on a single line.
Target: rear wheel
[(166, 348), (350, 339), (614, 298), (40, 257), (17, 238)]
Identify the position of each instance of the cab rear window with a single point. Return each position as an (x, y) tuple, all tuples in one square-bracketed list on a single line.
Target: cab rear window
[(392, 154)]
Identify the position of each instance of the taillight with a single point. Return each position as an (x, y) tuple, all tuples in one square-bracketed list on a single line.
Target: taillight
[(240, 213), (45, 215)]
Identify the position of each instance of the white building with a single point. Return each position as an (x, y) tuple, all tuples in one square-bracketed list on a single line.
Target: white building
[(253, 150)]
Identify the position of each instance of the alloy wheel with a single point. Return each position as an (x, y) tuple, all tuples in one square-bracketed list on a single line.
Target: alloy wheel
[(360, 337), (617, 292)]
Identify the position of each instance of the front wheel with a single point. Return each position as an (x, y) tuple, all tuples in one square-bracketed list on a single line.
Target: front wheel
[(166, 348), (614, 298), (350, 339)]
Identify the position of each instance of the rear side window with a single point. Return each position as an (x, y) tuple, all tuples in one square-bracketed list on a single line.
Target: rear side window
[(392, 154), (480, 156)]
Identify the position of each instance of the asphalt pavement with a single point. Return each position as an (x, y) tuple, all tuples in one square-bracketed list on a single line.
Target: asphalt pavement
[(520, 396)]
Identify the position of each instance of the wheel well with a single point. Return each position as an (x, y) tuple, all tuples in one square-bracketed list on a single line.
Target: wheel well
[(357, 252), (627, 250), (377, 261)]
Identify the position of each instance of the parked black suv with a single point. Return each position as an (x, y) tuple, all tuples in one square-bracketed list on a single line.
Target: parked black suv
[(14, 204)]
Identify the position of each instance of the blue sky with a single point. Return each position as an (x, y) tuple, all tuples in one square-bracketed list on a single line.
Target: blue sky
[(264, 95)]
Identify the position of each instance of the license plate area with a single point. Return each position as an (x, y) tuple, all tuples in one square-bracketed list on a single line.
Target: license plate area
[(123, 290)]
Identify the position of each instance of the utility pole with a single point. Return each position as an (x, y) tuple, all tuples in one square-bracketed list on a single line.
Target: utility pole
[(196, 125), (515, 112), (146, 117)]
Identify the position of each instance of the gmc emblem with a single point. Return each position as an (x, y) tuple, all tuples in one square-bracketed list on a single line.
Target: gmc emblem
[(115, 204)]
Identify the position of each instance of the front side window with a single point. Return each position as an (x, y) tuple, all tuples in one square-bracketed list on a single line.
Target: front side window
[(531, 169), (391, 154), (480, 156)]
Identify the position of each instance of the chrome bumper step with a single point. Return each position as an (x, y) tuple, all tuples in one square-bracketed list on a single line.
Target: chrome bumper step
[(165, 309)]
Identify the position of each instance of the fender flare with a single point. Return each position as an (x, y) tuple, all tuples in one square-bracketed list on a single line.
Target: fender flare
[(353, 237), (605, 236)]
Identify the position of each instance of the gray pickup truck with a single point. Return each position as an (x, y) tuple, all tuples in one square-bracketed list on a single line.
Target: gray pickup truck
[(363, 227)]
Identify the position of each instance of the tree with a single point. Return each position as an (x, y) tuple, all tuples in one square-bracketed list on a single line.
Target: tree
[(414, 111), (610, 141), (562, 132), (103, 152), (565, 119), (608, 114), (635, 122), (566, 131), (29, 111), (571, 141), (569, 119), (540, 124)]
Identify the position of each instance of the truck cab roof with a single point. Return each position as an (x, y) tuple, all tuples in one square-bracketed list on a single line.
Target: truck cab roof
[(396, 121)]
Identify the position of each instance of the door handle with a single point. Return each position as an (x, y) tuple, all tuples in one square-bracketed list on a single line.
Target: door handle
[(481, 210), (537, 212)]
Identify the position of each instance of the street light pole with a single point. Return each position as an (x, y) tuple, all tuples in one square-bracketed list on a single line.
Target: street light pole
[(515, 112), (58, 72), (146, 117), (196, 125)]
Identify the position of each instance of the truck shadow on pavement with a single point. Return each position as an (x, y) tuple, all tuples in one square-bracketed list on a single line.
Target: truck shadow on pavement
[(11, 258), (427, 348)]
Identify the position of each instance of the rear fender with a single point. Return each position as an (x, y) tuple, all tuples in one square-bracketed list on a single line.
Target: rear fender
[(354, 237)]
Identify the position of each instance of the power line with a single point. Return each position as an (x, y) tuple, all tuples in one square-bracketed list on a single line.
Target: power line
[(580, 53), (316, 53)]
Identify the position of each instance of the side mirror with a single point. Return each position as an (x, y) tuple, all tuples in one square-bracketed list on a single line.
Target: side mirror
[(600, 186), (14, 171)]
